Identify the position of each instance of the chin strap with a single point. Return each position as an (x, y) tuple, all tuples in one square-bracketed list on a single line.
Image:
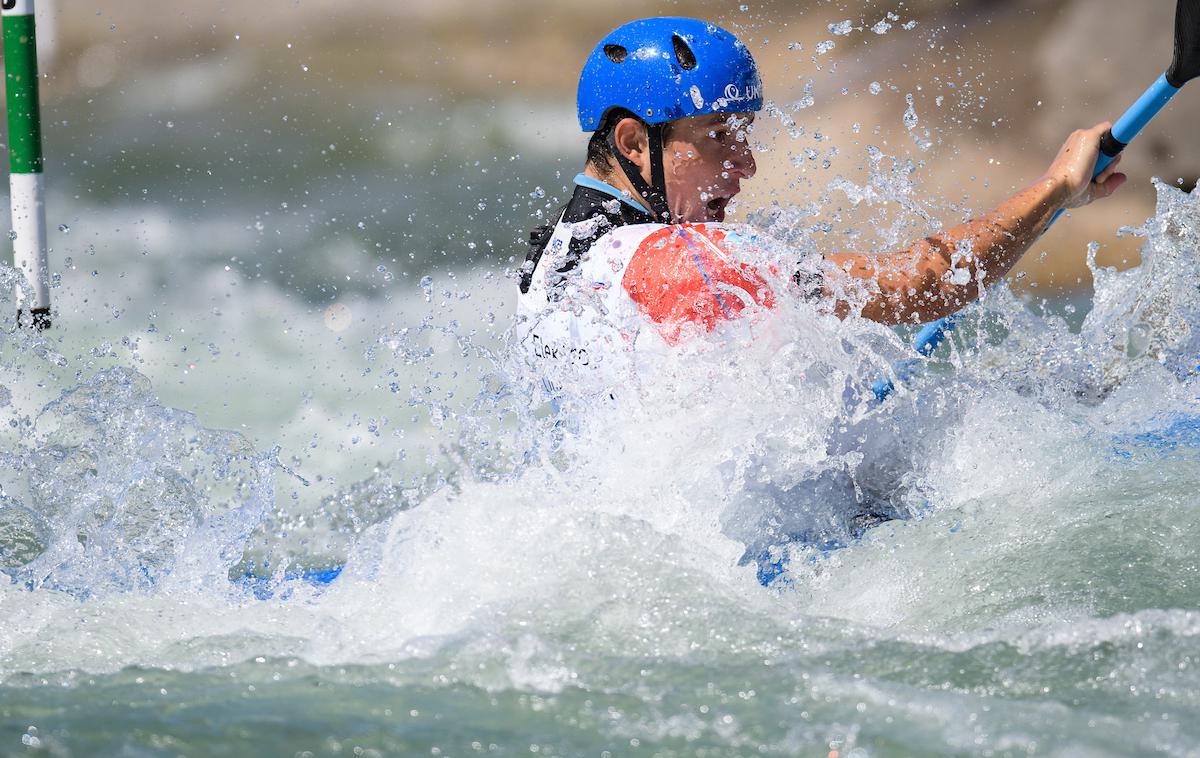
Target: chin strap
[(654, 193)]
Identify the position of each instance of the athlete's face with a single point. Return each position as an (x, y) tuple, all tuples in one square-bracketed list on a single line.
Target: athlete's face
[(704, 161)]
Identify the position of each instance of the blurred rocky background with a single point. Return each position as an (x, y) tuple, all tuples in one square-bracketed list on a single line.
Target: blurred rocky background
[(186, 101)]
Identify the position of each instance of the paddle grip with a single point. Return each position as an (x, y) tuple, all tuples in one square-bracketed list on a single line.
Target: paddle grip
[(1110, 146)]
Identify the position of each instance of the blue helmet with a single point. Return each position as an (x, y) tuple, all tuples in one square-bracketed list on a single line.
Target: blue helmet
[(664, 69)]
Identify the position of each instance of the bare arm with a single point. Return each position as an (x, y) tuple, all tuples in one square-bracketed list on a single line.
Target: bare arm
[(940, 274)]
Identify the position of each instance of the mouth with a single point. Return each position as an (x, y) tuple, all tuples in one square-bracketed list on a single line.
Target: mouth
[(715, 208)]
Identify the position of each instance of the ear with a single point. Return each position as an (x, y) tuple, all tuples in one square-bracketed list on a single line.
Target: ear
[(634, 144)]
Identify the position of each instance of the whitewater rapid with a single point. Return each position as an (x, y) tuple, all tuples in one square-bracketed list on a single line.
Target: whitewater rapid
[(600, 571)]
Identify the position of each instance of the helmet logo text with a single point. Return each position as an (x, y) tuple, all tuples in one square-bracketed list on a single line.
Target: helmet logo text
[(735, 93)]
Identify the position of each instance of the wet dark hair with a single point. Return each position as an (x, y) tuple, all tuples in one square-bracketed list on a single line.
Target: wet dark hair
[(599, 152)]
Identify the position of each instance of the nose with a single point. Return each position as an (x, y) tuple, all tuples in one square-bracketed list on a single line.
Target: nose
[(743, 160)]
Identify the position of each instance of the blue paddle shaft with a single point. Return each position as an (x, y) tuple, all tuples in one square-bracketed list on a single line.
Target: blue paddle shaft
[(1146, 108), (1127, 127)]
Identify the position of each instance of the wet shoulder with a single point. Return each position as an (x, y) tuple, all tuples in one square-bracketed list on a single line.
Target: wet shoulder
[(691, 274)]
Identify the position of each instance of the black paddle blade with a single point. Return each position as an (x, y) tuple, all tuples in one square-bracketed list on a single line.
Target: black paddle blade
[(1186, 65)]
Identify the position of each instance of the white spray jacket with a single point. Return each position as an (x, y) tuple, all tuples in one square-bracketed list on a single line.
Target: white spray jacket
[(601, 296)]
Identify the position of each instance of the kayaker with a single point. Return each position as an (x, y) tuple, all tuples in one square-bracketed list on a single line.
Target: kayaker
[(640, 254)]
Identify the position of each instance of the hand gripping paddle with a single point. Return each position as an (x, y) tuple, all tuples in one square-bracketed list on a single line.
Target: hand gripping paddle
[(1184, 67)]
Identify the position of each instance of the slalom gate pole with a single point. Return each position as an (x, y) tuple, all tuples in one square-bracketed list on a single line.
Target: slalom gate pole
[(25, 180)]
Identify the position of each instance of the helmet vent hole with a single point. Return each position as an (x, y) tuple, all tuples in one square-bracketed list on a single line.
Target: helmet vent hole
[(687, 59), (616, 53)]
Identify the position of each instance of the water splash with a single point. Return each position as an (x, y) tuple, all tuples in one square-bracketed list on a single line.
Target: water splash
[(1148, 313), (604, 564), (128, 493)]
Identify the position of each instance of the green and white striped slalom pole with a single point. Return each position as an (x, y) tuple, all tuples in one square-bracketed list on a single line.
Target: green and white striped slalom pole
[(25, 181)]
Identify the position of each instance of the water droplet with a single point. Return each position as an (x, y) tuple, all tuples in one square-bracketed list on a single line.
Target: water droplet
[(910, 113), (842, 28), (910, 123), (12, 234), (807, 100), (875, 88), (64, 228), (337, 317)]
